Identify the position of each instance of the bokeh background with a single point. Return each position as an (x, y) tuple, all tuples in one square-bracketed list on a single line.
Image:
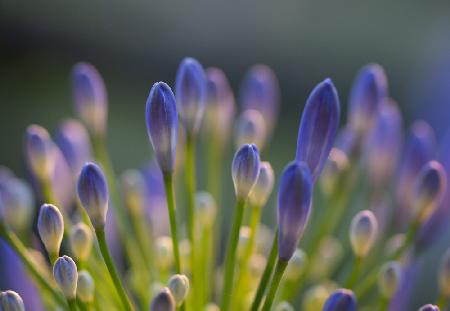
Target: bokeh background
[(135, 43)]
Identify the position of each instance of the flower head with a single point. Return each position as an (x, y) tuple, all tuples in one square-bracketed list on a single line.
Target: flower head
[(66, 276), (51, 228), (245, 170), (11, 301), (341, 300), (363, 232)]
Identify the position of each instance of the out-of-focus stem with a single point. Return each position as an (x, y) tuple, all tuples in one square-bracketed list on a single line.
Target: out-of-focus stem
[(353, 276), (72, 304), (276, 279)]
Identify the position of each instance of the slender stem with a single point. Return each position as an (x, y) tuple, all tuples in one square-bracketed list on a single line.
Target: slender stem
[(231, 254), (72, 304), (83, 306), (266, 274), (168, 184), (279, 270), (353, 276), (442, 301), (100, 233)]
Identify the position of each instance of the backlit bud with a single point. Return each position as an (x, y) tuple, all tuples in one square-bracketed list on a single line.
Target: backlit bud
[(50, 226), (93, 193), (163, 301), (330, 252), (81, 240), (18, 204), (296, 265), (162, 125), (444, 274), (263, 187), (11, 301), (251, 129), (245, 170), (340, 300), (363, 232), (39, 151), (429, 307), (318, 126), (164, 252), (85, 286), (284, 306), (66, 276), (294, 206), (389, 278), (179, 287), (206, 208), (337, 163), (134, 190)]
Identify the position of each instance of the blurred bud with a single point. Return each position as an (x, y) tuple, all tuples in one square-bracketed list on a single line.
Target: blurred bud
[(163, 301), (50, 226), (251, 129), (256, 266), (212, 307), (11, 301), (162, 125), (39, 152), (347, 140), (336, 164), (284, 306), (393, 244), (315, 298), (296, 265), (263, 234), (206, 208), (429, 307), (368, 90), (363, 232), (383, 143), (164, 252), (190, 89), (90, 97), (245, 170), (294, 206), (81, 240), (429, 189), (244, 237), (263, 187), (93, 193), (134, 190), (85, 286), (179, 286), (389, 278), (444, 274), (341, 300), (220, 105), (318, 126), (73, 140), (66, 276), (260, 91), (329, 254)]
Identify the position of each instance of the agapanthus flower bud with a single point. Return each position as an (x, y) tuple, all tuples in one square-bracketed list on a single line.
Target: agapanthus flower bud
[(341, 300), (81, 240), (294, 206), (93, 193), (284, 306), (429, 188), (73, 140), (337, 163), (39, 151), (85, 286), (212, 307), (318, 126), (389, 278), (444, 274), (251, 129), (315, 298), (330, 253), (368, 90), (11, 301), (190, 89), (162, 125), (90, 97), (363, 232), (134, 190), (263, 187), (163, 301), (206, 208), (245, 170), (164, 252), (179, 287), (296, 265), (429, 307), (260, 91), (50, 226), (66, 276)]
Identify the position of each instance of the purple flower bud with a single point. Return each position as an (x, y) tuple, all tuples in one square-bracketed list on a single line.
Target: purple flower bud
[(90, 97), (39, 151), (162, 125), (294, 206), (260, 91), (245, 170), (11, 301), (363, 232), (93, 193), (251, 129), (50, 226), (368, 91), (190, 89), (66, 276), (318, 126), (73, 140), (163, 301), (429, 307), (340, 300)]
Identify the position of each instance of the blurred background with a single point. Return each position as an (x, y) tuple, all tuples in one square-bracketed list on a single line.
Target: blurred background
[(135, 43)]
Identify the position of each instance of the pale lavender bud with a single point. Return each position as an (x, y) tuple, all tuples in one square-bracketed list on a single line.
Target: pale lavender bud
[(11, 301), (245, 170), (66, 276), (251, 129), (363, 232), (163, 301), (179, 287), (263, 187), (389, 278), (50, 226), (85, 286), (39, 151), (81, 240)]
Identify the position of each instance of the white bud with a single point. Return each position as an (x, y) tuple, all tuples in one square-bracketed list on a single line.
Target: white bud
[(85, 286), (81, 240), (179, 286)]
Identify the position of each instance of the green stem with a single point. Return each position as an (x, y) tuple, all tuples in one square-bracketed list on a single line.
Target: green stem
[(100, 233), (83, 306), (279, 270), (231, 254), (442, 301), (72, 304), (353, 276), (266, 274), (168, 184)]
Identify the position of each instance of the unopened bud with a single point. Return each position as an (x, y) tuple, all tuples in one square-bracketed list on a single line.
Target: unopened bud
[(163, 301), (81, 240), (389, 278), (66, 276), (179, 286), (11, 301), (85, 286), (51, 229), (363, 232)]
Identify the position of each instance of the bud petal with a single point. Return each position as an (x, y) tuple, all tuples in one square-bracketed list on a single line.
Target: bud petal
[(66, 276), (251, 129), (81, 240), (11, 301), (50, 226), (363, 232), (245, 170), (179, 287), (39, 151), (389, 278), (341, 300), (263, 187), (163, 301), (85, 286)]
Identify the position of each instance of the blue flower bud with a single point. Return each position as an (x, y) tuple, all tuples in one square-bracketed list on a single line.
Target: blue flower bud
[(294, 206), (66, 276), (163, 301), (429, 307), (50, 226), (260, 91), (39, 151), (363, 232), (251, 129), (389, 278), (340, 300), (368, 91), (263, 186), (90, 97), (11, 301), (73, 140), (318, 126), (85, 286), (190, 89), (245, 170), (93, 193), (162, 125)]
